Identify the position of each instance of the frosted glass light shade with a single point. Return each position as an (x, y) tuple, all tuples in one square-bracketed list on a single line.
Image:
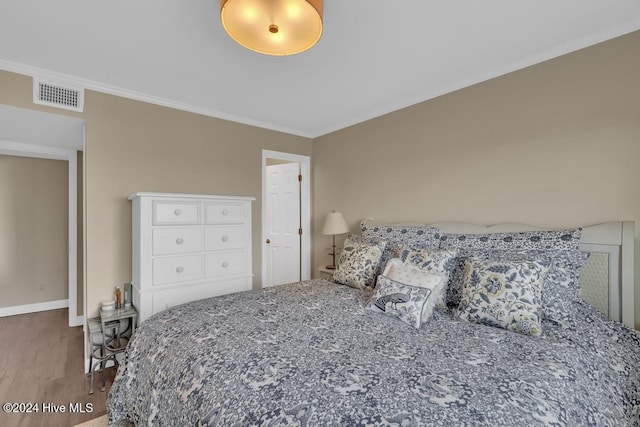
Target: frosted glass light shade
[(273, 27), (335, 224)]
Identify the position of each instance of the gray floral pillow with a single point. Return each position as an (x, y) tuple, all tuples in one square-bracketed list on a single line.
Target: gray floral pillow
[(359, 262), (543, 240), (397, 235), (440, 262), (561, 288), (504, 294), (396, 299)]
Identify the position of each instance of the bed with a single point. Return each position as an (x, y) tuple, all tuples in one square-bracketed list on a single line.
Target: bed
[(315, 353)]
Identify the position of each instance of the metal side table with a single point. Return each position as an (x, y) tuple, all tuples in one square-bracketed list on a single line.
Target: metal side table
[(108, 338)]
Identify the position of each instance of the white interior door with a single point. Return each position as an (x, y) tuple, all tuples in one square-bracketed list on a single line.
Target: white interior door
[(282, 222)]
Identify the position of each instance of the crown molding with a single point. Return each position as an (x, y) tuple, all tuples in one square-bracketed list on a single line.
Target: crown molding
[(45, 74), (330, 127), (419, 97)]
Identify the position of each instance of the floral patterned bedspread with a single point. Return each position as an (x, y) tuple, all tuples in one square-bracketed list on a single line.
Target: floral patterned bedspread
[(309, 353)]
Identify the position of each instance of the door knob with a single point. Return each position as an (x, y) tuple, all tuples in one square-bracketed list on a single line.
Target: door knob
[(268, 241)]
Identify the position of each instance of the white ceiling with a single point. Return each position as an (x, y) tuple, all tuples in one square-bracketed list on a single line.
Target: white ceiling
[(373, 58)]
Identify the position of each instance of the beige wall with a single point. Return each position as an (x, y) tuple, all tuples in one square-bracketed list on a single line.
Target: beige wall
[(556, 144), (34, 230), (133, 146)]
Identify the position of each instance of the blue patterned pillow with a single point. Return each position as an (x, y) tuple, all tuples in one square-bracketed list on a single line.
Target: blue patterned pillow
[(399, 300), (415, 236), (504, 294), (543, 240), (440, 262), (359, 262), (562, 286)]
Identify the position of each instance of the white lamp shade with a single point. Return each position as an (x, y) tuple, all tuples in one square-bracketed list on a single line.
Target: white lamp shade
[(335, 224)]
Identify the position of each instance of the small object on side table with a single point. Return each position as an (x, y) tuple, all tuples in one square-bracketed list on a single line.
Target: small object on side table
[(118, 298), (108, 305), (127, 295)]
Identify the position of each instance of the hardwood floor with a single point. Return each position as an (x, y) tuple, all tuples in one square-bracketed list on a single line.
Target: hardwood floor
[(42, 361)]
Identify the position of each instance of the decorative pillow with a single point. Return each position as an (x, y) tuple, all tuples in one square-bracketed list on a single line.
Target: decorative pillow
[(413, 276), (503, 294), (399, 300), (414, 236), (439, 262), (545, 240), (562, 286), (411, 235), (358, 262)]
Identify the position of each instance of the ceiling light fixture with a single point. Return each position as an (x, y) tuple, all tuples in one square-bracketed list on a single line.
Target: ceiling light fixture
[(273, 27)]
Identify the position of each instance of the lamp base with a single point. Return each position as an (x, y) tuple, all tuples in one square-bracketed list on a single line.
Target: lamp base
[(330, 267)]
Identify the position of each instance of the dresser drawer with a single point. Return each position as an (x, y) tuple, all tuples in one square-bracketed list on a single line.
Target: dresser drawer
[(223, 213), (176, 240), (177, 269), (224, 264), (175, 213), (224, 237), (163, 300)]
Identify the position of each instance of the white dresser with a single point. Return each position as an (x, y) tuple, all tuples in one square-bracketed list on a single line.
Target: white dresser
[(188, 247)]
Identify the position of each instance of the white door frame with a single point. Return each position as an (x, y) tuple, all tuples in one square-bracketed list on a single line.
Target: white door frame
[(45, 152), (305, 209)]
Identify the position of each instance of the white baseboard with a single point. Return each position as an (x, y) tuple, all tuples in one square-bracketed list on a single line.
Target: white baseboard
[(33, 308)]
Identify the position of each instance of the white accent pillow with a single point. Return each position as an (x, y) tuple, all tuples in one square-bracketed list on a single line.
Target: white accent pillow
[(411, 275), (399, 300)]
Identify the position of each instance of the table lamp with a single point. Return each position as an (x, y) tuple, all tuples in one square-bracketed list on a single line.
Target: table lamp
[(334, 224)]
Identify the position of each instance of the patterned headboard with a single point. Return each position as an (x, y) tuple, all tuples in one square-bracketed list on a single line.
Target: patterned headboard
[(606, 279)]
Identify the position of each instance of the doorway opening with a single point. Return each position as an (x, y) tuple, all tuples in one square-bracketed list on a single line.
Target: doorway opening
[(286, 218), (71, 156), (36, 134)]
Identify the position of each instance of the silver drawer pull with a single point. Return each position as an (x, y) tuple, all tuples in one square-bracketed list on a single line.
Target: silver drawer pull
[(178, 212), (225, 238), (225, 264), (179, 240), (179, 269), (225, 212)]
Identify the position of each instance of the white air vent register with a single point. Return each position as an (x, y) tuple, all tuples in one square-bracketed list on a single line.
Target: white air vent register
[(58, 95)]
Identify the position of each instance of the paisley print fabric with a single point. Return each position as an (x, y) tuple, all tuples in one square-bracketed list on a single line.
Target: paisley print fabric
[(414, 276), (311, 354), (503, 294), (359, 262), (400, 300)]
